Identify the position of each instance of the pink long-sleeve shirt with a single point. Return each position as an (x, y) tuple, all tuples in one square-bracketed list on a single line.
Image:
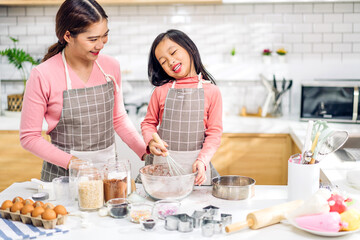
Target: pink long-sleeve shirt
[(44, 98), (212, 115)]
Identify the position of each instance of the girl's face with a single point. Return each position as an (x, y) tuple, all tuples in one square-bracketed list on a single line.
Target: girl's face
[(87, 45), (174, 59)]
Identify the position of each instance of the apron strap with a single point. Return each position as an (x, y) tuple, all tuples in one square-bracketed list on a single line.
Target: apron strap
[(199, 83), (68, 81), (108, 77)]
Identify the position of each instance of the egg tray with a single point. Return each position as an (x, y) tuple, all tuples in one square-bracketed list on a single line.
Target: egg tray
[(36, 221)]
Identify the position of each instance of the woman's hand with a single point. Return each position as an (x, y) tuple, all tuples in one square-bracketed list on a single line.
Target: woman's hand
[(199, 166), (158, 149)]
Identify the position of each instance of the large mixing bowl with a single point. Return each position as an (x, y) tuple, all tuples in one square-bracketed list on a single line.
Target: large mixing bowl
[(158, 183)]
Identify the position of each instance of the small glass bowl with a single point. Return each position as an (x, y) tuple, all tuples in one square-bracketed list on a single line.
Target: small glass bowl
[(140, 211), (164, 208), (118, 207), (147, 224)]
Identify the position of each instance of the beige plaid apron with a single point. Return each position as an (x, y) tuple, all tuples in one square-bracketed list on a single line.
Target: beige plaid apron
[(85, 128), (182, 127)]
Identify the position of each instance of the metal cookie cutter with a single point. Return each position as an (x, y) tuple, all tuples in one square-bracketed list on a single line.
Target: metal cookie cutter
[(180, 222), (211, 209), (199, 216), (217, 225), (226, 219)]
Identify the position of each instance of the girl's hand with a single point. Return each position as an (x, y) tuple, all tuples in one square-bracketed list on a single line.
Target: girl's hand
[(199, 166), (158, 149)]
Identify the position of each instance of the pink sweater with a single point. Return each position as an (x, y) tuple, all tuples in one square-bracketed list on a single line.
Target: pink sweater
[(212, 115), (44, 98)]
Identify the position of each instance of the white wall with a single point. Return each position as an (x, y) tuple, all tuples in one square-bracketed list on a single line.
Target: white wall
[(323, 39)]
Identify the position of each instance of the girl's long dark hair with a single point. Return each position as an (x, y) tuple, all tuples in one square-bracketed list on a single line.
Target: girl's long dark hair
[(74, 16), (156, 73)]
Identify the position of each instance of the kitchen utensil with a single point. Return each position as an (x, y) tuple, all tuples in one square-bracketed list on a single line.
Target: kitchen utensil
[(62, 190), (147, 224), (198, 217), (233, 187), (212, 210), (313, 146), (140, 211), (331, 143), (180, 222), (118, 207), (303, 180), (159, 184), (226, 219), (265, 217), (217, 225), (174, 168), (164, 208), (307, 142)]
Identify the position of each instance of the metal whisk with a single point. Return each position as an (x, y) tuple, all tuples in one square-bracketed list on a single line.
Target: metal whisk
[(174, 168)]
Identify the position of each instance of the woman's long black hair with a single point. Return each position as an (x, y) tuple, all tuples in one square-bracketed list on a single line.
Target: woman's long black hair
[(156, 73)]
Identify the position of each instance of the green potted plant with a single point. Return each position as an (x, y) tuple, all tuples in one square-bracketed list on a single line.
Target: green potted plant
[(17, 57)]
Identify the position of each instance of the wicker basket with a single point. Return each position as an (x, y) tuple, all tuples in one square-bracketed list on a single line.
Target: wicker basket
[(15, 102)]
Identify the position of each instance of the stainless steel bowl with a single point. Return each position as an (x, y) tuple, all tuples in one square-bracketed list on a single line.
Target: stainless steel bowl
[(158, 183), (233, 187)]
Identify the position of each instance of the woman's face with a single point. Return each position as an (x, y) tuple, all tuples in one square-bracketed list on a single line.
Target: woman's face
[(174, 59), (87, 45)]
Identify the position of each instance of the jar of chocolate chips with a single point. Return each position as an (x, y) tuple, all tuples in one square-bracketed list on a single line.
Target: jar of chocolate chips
[(116, 180)]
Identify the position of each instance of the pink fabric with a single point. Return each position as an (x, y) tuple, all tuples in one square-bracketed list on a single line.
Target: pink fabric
[(44, 98), (212, 115)]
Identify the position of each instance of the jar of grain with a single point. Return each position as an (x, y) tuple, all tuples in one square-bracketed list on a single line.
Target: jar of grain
[(116, 180), (90, 188)]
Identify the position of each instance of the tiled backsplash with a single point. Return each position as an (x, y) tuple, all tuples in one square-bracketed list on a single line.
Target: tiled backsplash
[(316, 33)]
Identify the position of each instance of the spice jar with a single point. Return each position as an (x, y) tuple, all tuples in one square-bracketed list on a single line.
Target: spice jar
[(115, 180), (90, 188)]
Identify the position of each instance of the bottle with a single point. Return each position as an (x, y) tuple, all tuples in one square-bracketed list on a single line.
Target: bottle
[(90, 188)]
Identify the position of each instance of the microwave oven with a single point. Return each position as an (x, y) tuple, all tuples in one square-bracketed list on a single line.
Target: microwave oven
[(330, 101)]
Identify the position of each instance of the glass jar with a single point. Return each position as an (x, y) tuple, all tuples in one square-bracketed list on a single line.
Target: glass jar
[(115, 180), (74, 168), (90, 188)]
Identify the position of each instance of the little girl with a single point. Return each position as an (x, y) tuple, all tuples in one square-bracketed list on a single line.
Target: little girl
[(186, 104)]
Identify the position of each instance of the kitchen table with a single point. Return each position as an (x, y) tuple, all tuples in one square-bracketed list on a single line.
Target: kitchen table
[(110, 228)]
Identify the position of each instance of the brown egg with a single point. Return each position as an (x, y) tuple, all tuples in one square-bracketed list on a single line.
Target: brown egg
[(37, 211), (6, 204), (28, 201), (49, 214), (18, 199), (17, 207), (27, 209), (48, 205), (60, 209), (38, 204)]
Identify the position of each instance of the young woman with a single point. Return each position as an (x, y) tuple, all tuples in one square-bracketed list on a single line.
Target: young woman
[(77, 90), (186, 104)]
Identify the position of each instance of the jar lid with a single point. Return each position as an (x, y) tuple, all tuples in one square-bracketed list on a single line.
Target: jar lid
[(41, 196)]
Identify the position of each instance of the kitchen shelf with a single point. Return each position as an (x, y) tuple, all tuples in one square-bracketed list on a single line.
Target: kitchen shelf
[(108, 2)]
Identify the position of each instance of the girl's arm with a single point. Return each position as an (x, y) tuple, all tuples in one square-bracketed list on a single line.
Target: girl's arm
[(123, 125), (213, 127), (34, 108), (152, 118)]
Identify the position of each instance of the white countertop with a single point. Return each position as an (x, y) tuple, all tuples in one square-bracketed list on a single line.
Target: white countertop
[(108, 228)]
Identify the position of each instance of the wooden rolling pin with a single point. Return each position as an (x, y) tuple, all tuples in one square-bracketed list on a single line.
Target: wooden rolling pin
[(265, 217)]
